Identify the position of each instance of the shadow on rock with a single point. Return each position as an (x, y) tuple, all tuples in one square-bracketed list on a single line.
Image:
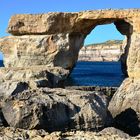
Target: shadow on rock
[(128, 122)]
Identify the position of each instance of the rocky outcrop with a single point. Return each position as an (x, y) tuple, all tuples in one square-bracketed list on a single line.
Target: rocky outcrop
[(15, 80), (126, 104), (42, 52), (107, 134), (107, 51), (57, 109), (66, 33), (48, 50)]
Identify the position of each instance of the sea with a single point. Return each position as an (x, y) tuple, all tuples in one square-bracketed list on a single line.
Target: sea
[(1, 63), (94, 74)]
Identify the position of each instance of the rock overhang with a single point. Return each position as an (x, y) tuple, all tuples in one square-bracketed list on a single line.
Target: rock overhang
[(59, 22), (67, 32)]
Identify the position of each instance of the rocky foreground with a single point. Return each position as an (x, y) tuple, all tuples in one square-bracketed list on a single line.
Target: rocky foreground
[(106, 134), (38, 58)]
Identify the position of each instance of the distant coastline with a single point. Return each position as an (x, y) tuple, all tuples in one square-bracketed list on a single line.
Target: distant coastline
[(107, 51)]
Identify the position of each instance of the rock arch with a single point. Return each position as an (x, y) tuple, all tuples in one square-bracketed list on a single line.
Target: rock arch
[(54, 39)]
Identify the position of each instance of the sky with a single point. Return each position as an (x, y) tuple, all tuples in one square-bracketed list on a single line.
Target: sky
[(99, 34)]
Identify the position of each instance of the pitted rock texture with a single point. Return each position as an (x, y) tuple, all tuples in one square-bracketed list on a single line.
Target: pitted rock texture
[(125, 107), (54, 39), (80, 22), (49, 50), (15, 80), (77, 25), (57, 109), (107, 51), (107, 134)]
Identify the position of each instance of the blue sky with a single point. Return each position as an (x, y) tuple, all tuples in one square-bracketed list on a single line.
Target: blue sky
[(100, 34)]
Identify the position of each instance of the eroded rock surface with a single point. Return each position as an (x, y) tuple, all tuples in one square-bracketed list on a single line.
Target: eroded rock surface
[(107, 134), (43, 41), (57, 109), (49, 50), (78, 25), (15, 80), (125, 107), (80, 22), (62, 36)]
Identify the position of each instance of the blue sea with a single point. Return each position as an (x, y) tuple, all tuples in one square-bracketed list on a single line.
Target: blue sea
[(1, 63), (96, 74)]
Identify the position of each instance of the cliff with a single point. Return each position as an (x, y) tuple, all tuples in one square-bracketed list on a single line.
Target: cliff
[(107, 51)]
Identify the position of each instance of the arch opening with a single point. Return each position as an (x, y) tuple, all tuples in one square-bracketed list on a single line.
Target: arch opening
[(103, 66), (1, 59)]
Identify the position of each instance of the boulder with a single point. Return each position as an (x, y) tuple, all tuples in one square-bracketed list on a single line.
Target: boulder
[(51, 76), (11, 88), (57, 109), (16, 80), (125, 107)]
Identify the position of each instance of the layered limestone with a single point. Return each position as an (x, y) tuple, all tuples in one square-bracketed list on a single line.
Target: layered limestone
[(78, 25), (42, 52), (107, 51), (80, 22), (49, 50)]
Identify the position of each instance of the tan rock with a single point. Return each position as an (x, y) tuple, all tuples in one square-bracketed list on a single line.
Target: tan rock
[(16, 80), (53, 23), (107, 134), (51, 50), (57, 109), (125, 106), (126, 97), (77, 25)]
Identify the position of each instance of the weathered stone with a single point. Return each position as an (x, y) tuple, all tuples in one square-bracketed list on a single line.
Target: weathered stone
[(51, 50), (11, 88), (78, 25), (107, 134), (16, 80), (50, 23), (57, 109), (125, 107), (65, 35), (82, 22)]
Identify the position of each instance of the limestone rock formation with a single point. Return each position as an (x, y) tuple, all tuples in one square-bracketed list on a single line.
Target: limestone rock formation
[(80, 22), (108, 51), (76, 26), (15, 80), (107, 134), (125, 107), (57, 109), (49, 50), (42, 52)]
